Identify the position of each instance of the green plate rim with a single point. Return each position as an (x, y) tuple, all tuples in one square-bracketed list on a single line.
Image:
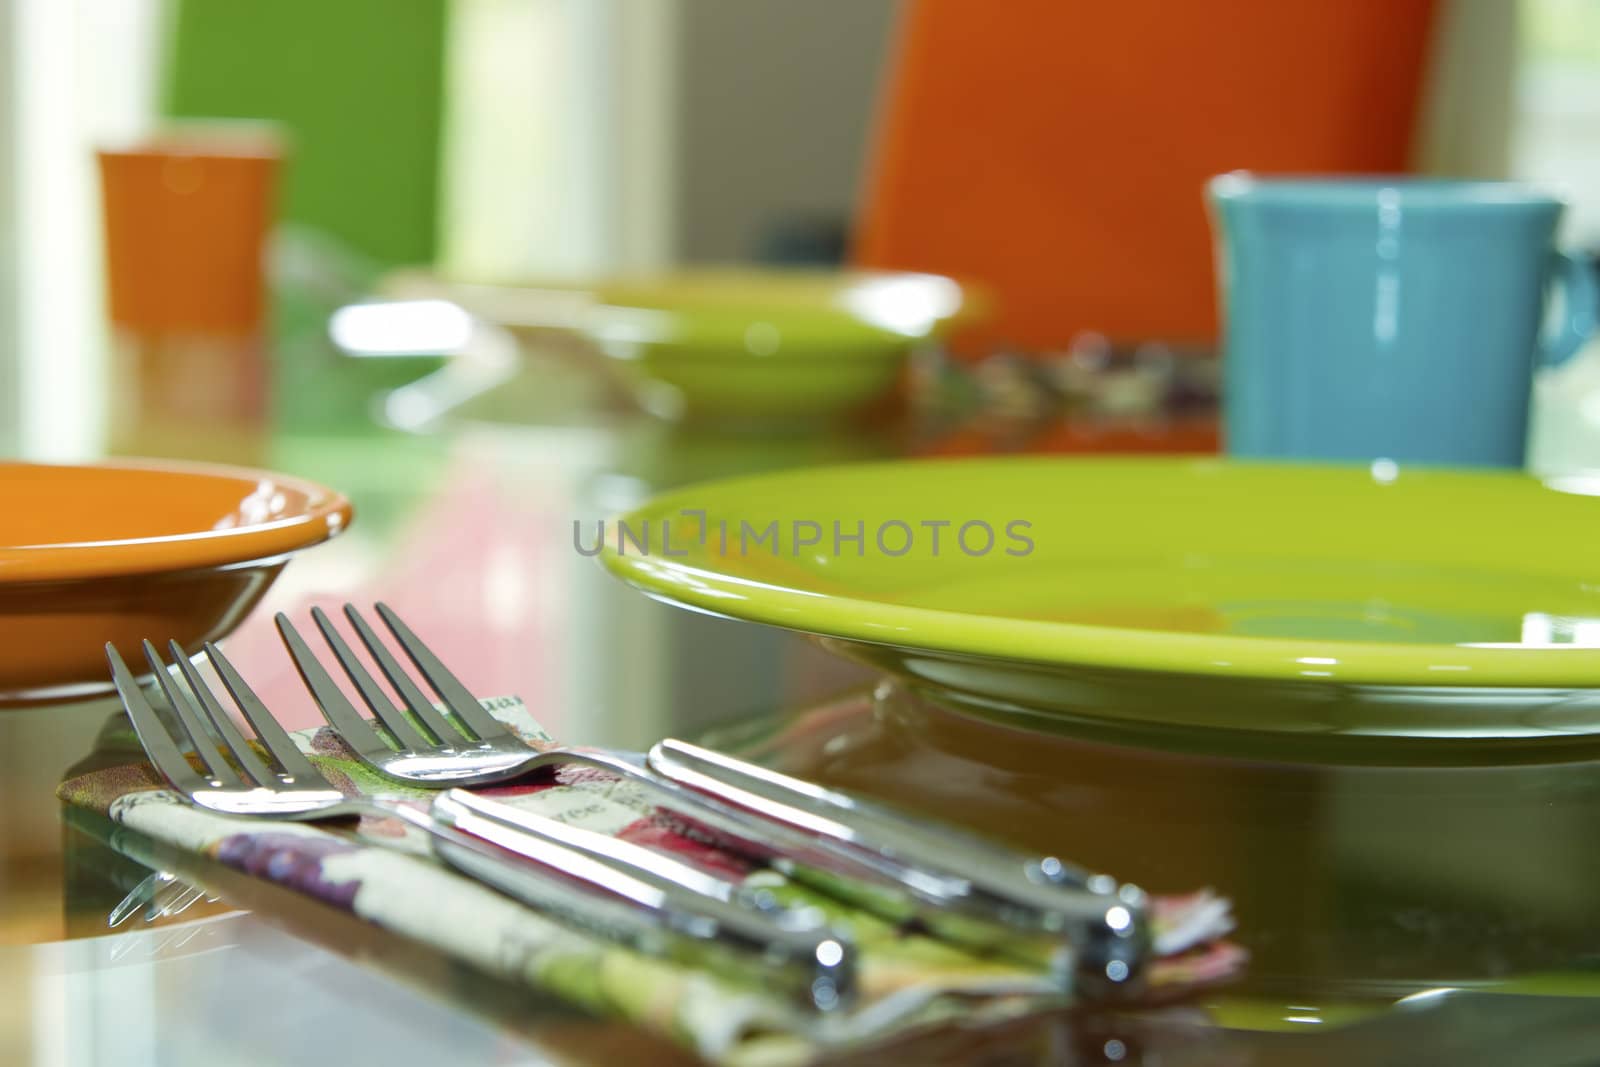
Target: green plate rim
[(1075, 645)]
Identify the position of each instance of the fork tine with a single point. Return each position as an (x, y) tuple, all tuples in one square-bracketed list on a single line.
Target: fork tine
[(153, 735), (403, 731), (183, 901), (339, 712), (190, 718), (273, 738), (455, 695), (419, 704), (235, 742)]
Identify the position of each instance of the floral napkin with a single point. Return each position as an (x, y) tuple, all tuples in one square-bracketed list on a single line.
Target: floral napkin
[(383, 873)]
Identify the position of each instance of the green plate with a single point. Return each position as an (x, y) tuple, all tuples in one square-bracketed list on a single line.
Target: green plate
[(1322, 601)]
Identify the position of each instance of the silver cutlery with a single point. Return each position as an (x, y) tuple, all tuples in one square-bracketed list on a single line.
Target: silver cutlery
[(477, 749), (953, 872), (605, 886), (1091, 932)]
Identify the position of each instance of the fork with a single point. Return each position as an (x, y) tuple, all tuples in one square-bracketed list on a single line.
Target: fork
[(1093, 931), (609, 887)]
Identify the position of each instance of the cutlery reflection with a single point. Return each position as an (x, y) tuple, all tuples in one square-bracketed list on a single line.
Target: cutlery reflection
[(607, 887), (1090, 932), (161, 894)]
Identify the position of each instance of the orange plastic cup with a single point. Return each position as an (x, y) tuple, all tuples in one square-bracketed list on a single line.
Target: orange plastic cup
[(187, 217)]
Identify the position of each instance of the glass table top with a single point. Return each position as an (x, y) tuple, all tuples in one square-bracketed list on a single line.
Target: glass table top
[(1385, 909)]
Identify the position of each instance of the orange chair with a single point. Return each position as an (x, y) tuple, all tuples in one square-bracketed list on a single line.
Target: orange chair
[(1055, 150)]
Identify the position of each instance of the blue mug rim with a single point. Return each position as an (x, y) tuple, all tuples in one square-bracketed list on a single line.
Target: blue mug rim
[(1370, 192)]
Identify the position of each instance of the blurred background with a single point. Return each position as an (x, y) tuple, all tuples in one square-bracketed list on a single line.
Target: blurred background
[(1051, 159)]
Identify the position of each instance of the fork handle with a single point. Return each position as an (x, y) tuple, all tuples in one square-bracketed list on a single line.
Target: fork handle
[(482, 840), (1088, 934), (1105, 924)]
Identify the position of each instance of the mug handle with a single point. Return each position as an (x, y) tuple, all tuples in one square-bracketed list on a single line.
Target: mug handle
[(1580, 307)]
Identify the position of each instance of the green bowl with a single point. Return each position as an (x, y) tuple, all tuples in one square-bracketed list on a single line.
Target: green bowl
[(768, 345)]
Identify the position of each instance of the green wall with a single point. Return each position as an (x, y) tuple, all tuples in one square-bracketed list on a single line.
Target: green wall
[(357, 85)]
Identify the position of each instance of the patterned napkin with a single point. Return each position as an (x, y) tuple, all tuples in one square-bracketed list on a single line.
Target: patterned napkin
[(382, 872)]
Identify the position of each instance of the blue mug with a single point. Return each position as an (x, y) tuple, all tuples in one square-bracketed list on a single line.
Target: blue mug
[(1390, 318)]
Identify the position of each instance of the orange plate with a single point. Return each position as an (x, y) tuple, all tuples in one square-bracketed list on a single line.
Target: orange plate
[(121, 552)]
